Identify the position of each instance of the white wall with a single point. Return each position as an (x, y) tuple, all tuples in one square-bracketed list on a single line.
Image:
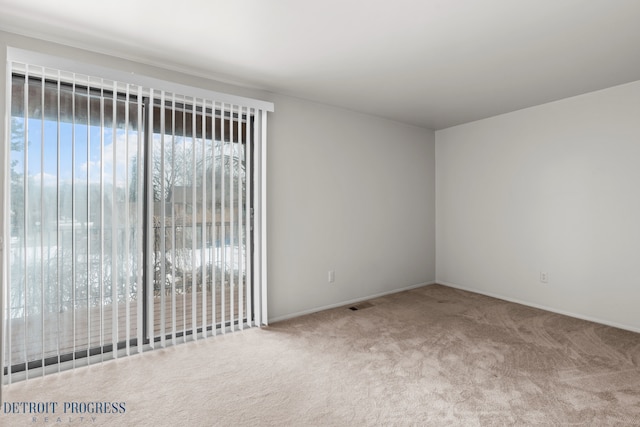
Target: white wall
[(552, 188), (346, 191), (351, 193)]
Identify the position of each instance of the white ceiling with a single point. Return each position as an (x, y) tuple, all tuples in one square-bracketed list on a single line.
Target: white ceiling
[(432, 63)]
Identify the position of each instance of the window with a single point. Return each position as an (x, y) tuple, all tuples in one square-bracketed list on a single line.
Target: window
[(136, 219)]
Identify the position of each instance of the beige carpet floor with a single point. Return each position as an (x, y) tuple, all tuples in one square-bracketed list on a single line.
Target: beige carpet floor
[(430, 356)]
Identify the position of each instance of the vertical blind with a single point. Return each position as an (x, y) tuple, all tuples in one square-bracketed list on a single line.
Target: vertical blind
[(136, 220)]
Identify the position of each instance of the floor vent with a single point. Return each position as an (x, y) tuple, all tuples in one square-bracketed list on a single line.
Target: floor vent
[(361, 306)]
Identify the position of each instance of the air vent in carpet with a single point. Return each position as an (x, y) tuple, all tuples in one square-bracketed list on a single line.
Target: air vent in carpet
[(361, 306)]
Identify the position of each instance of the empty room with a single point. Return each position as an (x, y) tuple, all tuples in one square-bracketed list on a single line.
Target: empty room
[(337, 213)]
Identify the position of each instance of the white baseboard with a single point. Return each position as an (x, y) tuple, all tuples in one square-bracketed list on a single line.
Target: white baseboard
[(342, 303), (541, 307)]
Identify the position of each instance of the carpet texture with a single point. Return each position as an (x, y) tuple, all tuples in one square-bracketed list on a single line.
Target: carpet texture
[(432, 356)]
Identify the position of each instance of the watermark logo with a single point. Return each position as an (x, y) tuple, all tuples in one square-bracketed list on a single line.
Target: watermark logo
[(64, 412)]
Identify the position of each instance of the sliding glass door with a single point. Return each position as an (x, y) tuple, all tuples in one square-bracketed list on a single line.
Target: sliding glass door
[(201, 208), (75, 221), (131, 219)]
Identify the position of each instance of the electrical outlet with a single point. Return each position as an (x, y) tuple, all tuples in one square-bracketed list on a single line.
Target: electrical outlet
[(544, 277), (332, 276)]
